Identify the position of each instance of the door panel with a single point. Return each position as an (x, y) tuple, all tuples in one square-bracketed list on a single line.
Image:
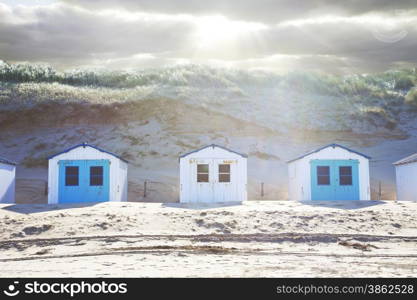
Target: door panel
[(347, 180), (97, 181), (201, 176), (225, 181), (70, 181), (334, 179), (322, 180), (213, 180)]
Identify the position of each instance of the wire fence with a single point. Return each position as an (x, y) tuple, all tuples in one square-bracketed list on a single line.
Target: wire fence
[(38, 189)]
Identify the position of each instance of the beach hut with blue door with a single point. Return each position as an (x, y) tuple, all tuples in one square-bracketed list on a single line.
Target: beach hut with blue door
[(333, 172), (7, 180), (85, 173)]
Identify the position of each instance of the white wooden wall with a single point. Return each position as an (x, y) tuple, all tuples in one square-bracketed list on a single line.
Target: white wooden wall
[(7, 183), (118, 172), (123, 180), (188, 181), (406, 180), (299, 188)]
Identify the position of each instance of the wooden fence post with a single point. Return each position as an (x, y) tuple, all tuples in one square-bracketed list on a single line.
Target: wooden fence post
[(379, 191), (262, 189)]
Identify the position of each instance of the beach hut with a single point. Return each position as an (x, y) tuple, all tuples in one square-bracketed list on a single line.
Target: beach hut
[(213, 174), (7, 180), (406, 178), (333, 172), (85, 173)]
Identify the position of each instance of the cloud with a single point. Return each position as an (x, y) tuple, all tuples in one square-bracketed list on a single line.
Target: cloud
[(267, 11), (354, 41), (361, 38), (62, 32), (353, 36)]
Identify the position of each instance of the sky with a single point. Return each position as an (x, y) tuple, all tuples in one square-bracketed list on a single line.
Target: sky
[(341, 37)]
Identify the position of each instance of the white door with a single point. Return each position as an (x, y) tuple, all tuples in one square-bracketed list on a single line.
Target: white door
[(213, 180)]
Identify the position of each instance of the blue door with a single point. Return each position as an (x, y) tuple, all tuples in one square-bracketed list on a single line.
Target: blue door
[(334, 179), (83, 181)]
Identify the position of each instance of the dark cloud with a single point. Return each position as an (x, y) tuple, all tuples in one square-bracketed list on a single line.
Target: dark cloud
[(63, 32)]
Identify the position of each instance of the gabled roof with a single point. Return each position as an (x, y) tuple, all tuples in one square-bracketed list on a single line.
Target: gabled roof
[(327, 146), (91, 146), (213, 145), (7, 162), (407, 160)]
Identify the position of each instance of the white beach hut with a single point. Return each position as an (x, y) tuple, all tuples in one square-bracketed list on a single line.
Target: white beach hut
[(213, 174), (333, 172), (406, 178), (7, 180), (85, 173)]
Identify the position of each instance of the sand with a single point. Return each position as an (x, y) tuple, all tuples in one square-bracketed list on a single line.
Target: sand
[(253, 239)]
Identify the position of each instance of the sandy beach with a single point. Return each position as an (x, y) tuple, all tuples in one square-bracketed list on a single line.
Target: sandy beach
[(253, 239)]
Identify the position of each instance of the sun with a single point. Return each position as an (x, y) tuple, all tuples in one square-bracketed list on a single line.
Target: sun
[(215, 30)]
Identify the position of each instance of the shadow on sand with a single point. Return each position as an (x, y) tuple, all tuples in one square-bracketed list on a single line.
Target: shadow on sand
[(344, 204), (38, 208), (200, 206)]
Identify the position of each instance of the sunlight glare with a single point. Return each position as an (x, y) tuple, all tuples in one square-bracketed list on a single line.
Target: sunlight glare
[(215, 30)]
